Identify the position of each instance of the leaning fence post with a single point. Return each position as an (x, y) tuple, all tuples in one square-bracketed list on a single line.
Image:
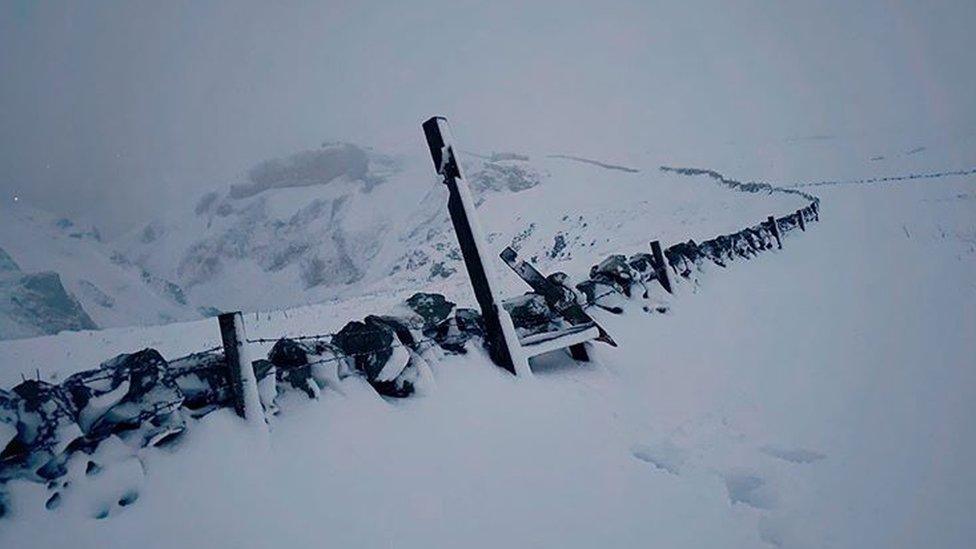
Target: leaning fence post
[(243, 383), (660, 267), (473, 248), (803, 225), (774, 226)]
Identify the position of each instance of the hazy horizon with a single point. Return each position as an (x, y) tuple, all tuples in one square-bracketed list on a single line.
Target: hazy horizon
[(111, 109)]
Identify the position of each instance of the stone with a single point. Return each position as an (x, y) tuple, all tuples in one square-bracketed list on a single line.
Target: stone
[(531, 314), (432, 308)]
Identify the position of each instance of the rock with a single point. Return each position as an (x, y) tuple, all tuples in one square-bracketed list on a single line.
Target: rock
[(8, 419), (384, 349), (7, 263), (369, 346), (432, 308), (203, 381), (288, 354), (567, 295), (309, 366), (558, 245), (452, 334), (92, 468), (531, 315), (503, 176), (314, 167), (616, 271), (38, 304), (53, 502), (601, 294), (715, 250), (643, 265), (45, 428), (128, 498), (683, 257), (149, 409)]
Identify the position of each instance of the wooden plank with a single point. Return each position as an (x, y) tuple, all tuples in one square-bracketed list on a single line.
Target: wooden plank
[(562, 341), (552, 293)]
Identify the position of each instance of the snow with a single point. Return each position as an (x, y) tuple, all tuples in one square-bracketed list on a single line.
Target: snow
[(111, 293), (285, 247), (817, 396)]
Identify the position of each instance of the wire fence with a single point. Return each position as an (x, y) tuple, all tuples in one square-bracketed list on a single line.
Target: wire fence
[(888, 179), (158, 389)]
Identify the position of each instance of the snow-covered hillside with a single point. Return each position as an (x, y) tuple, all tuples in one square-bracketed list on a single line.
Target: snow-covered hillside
[(109, 290), (341, 221), (819, 396)]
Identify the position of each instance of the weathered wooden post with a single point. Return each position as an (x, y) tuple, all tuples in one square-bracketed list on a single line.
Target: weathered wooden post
[(803, 225), (243, 383), (500, 334), (774, 227), (660, 267)]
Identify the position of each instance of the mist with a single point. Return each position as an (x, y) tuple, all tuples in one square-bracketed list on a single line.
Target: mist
[(109, 110)]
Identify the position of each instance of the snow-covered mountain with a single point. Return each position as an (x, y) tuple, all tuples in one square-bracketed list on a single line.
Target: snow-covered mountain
[(345, 220), (312, 226), (60, 276), (737, 419)]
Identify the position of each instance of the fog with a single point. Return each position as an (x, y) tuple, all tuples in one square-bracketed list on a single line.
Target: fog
[(110, 109)]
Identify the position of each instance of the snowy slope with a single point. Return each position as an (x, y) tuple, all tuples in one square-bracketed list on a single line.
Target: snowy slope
[(342, 220), (820, 396), (328, 220), (111, 291), (383, 227)]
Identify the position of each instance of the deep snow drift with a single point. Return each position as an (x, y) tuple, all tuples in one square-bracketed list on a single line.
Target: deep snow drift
[(820, 396)]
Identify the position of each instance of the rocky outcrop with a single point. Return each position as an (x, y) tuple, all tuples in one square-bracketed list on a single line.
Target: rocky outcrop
[(315, 167), (38, 304)]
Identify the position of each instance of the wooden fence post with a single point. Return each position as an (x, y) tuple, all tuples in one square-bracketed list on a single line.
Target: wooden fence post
[(774, 226), (460, 205), (803, 225), (243, 383), (660, 266)]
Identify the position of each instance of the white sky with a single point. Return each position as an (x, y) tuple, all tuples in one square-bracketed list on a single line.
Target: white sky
[(109, 108)]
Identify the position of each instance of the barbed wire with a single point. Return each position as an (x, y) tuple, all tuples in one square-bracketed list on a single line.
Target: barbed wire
[(328, 335), (196, 354), (340, 356), (789, 222), (888, 179)]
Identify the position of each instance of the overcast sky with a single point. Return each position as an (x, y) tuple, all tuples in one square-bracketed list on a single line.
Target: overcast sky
[(109, 108)]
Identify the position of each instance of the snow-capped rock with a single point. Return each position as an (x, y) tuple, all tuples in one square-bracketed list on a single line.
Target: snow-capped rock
[(55, 275)]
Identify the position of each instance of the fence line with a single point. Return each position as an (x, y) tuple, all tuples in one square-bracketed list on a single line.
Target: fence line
[(39, 455), (675, 254)]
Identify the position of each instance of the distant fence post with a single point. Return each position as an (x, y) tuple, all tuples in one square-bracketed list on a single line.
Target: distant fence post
[(774, 227), (243, 384), (473, 248), (803, 225), (660, 266)]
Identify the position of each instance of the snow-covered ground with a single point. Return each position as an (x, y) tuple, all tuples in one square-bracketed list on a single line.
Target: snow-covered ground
[(818, 396)]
